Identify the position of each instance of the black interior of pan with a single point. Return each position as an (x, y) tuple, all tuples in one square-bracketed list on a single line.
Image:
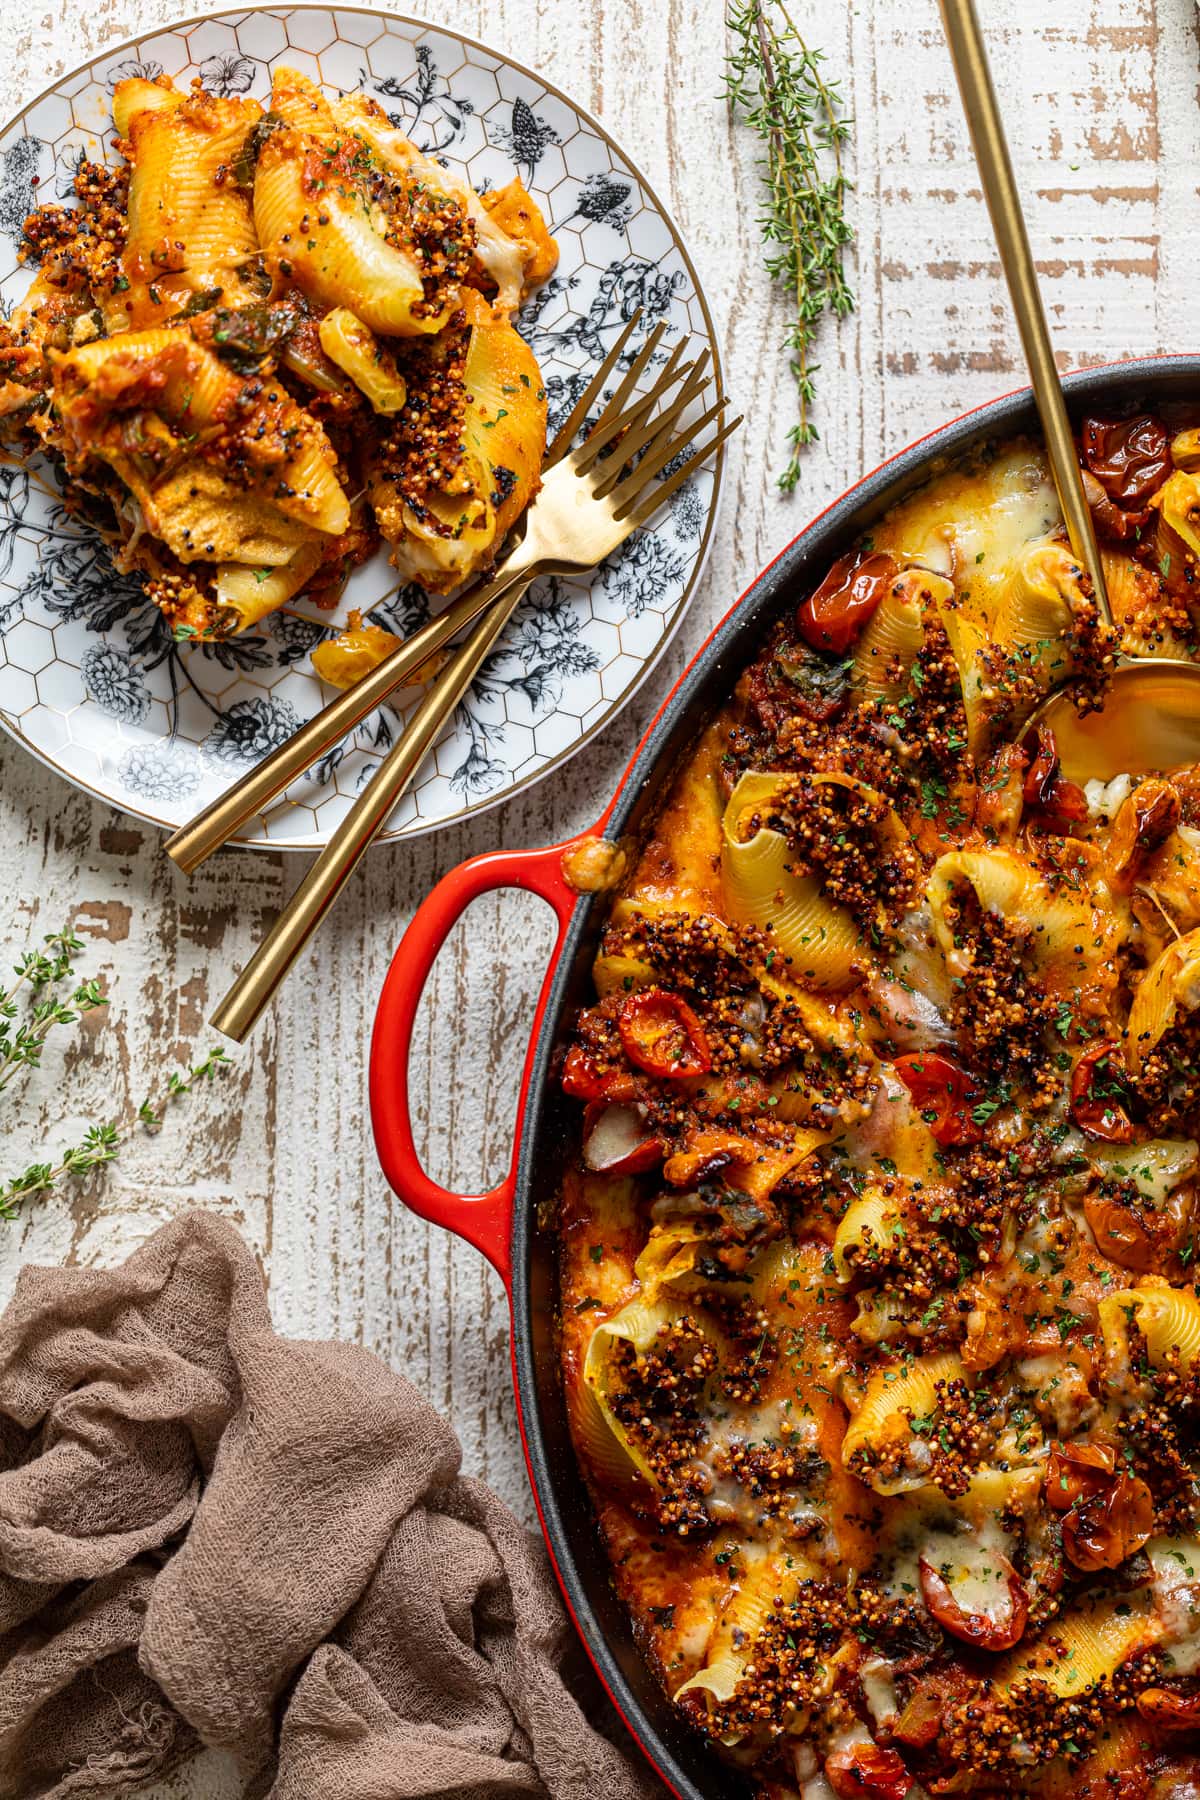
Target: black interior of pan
[(551, 1125)]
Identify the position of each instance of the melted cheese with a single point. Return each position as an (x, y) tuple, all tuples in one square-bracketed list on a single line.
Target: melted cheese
[(1176, 1587), (975, 522), (963, 1550)]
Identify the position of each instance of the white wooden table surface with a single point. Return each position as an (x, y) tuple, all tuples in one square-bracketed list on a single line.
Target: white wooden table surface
[(1101, 99)]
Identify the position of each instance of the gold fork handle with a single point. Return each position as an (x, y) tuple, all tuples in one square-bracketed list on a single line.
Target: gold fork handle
[(253, 988), (230, 811)]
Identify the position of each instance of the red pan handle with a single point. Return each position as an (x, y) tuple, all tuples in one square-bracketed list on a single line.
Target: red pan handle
[(482, 1219)]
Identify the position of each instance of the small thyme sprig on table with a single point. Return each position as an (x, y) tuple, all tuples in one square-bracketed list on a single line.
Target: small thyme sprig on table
[(773, 81), (182, 1082), (22, 1039), (103, 1143)]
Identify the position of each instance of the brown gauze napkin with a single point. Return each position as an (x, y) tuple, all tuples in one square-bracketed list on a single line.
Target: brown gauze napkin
[(213, 1535)]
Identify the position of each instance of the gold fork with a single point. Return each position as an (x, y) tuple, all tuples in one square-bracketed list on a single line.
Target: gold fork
[(587, 506), (232, 810)]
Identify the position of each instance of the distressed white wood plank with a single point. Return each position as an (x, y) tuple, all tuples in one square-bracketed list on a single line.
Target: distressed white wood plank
[(1101, 100)]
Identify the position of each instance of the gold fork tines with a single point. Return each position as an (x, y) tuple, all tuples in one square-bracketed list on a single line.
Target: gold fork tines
[(589, 504)]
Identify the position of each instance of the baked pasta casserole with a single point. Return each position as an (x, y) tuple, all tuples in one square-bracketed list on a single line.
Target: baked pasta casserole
[(270, 337), (880, 1322)]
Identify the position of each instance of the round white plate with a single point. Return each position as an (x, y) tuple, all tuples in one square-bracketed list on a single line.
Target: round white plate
[(90, 678)]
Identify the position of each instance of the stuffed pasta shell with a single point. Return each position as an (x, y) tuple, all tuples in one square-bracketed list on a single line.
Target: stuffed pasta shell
[(190, 226), (463, 461)]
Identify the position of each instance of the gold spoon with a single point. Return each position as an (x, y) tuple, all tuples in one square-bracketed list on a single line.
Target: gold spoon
[(1151, 715)]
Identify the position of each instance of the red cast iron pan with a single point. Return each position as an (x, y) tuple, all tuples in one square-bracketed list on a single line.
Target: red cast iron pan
[(504, 1223)]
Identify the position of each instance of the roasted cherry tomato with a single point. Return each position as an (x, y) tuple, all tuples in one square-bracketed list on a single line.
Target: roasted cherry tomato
[(979, 1629), (1112, 521), (1109, 1513), (1130, 458), (616, 1142), (1077, 1471), (866, 1769), (1099, 1093), (1142, 827), (940, 1088), (1058, 802), (1170, 1709), (583, 1078), (661, 1034), (832, 617), (1130, 1234), (1102, 1532)]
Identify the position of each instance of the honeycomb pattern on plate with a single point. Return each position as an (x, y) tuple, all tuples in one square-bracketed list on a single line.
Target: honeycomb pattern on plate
[(91, 680)]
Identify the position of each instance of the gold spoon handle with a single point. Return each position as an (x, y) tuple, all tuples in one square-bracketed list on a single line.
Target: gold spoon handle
[(230, 811), (253, 988), (1000, 189)]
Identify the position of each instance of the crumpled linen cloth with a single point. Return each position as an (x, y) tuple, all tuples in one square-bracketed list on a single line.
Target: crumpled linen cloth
[(213, 1535)]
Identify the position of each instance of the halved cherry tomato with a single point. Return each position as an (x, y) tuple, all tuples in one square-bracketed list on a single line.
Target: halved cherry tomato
[(1130, 458), (1173, 1711), (866, 1769), (1077, 1471), (1109, 1514), (583, 1078), (979, 1629), (1102, 1532), (939, 1087), (1130, 1234), (616, 1142), (661, 1034), (1059, 803), (1142, 826), (832, 617), (1112, 521), (1098, 1094)]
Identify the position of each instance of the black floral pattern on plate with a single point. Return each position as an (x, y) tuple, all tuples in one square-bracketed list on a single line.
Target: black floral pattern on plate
[(686, 505), (541, 652), (625, 285), (113, 680), (526, 138), (18, 186), (431, 114), (133, 70), (294, 637), (166, 771), (251, 729), (645, 567), (602, 199), (227, 74)]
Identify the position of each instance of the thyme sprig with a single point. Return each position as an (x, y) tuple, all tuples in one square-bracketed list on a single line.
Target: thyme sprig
[(42, 976), (103, 1143), (22, 1039), (773, 81)]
